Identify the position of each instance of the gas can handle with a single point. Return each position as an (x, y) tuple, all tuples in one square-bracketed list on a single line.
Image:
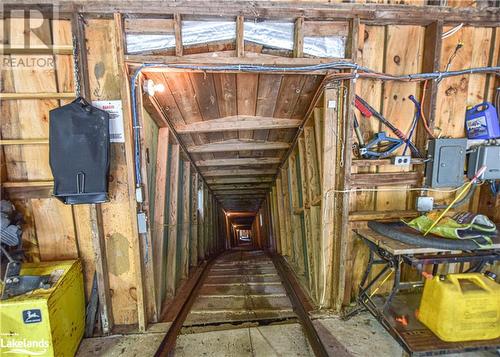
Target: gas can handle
[(486, 105), (454, 278)]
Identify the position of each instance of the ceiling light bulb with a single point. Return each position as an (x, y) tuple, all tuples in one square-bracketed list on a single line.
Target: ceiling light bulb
[(159, 87), (151, 88)]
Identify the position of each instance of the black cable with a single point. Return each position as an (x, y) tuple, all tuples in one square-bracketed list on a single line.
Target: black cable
[(394, 231)]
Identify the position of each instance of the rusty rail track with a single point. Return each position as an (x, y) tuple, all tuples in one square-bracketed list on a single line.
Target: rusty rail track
[(299, 302)]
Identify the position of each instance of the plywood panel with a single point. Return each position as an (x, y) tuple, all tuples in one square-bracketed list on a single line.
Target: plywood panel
[(54, 229), (402, 56), (246, 84), (371, 55), (225, 86)]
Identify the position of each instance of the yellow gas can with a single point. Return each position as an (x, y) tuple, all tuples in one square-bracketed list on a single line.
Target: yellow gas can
[(461, 307), (45, 322)]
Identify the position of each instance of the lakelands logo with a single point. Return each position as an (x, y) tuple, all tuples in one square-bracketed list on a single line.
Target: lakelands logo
[(27, 43), (23, 346)]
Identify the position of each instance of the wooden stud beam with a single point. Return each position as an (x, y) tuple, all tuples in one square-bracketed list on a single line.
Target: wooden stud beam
[(23, 184), (235, 180), (382, 162), (239, 162), (369, 13), (240, 187), (238, 145), (250, 59), (242, 172), (239, 192), (298, 43), (431, 63), (138, 259), (238, 122), (178, 34), (4, 142), (370, 180), (21, 96), (240, 36), (374, 215), (37, 50)]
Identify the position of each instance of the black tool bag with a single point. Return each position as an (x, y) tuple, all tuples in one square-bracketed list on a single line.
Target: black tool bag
[(79, 152)]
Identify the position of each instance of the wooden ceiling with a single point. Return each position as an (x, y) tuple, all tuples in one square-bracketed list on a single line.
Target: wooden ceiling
[(237, 127)]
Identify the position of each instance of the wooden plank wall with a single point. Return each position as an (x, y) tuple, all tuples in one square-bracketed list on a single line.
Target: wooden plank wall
[(395, 49), (298, 211), (54, 231)]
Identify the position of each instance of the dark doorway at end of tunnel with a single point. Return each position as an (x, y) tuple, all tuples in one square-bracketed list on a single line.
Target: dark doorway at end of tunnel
[(241, 227), (244, 237)]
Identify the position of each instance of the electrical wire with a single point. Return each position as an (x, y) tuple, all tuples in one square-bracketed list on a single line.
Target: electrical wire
[(453, 55), (410, 132), (393, 189), (359, 71), (452, 31)]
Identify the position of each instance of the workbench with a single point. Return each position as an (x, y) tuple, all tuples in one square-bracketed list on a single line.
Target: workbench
[(396, 311)]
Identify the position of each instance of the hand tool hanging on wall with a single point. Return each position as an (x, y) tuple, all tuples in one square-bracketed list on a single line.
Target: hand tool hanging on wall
[(368, 112), (379, 147)]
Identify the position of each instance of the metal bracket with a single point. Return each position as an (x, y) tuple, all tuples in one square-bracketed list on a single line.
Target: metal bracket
[(15, 284)]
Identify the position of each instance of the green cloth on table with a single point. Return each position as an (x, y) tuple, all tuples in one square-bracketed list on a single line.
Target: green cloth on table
[(462, 225)]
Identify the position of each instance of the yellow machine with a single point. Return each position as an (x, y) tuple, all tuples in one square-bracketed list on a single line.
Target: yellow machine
[(45, 322), (461, 307)]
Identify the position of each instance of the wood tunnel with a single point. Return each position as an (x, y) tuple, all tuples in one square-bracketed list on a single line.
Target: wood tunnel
[(228, 153)]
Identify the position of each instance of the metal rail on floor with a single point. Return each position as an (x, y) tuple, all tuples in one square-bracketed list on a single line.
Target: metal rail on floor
[(301, 307), (299, 304), (168, 343)]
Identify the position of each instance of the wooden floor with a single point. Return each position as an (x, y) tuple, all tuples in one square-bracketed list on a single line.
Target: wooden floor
[(243, 310), (242, 286)]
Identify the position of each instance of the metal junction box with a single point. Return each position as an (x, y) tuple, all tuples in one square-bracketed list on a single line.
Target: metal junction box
[(485, 155), (446, 162)]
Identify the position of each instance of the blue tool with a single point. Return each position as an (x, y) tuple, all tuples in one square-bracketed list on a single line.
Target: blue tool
[(380, 146)]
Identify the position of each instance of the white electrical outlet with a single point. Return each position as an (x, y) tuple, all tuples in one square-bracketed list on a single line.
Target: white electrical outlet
[(402, 160)]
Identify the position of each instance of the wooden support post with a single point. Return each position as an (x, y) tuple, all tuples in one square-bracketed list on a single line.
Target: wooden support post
[(326, 250), (173, 221), (318, 135), (287, 212), (178, 35), (201, 221), (312, 247), (431, 63), (194, 220), (240, 36), (101, 269), (160, 215), (298, 44), (95, 212), (343, 172), (281, 216), (146, 240), (186, 219), (296, 221), (137, 247)]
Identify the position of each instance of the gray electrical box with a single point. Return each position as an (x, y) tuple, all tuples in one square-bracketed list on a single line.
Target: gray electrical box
[(485, 155), (446, 164)]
